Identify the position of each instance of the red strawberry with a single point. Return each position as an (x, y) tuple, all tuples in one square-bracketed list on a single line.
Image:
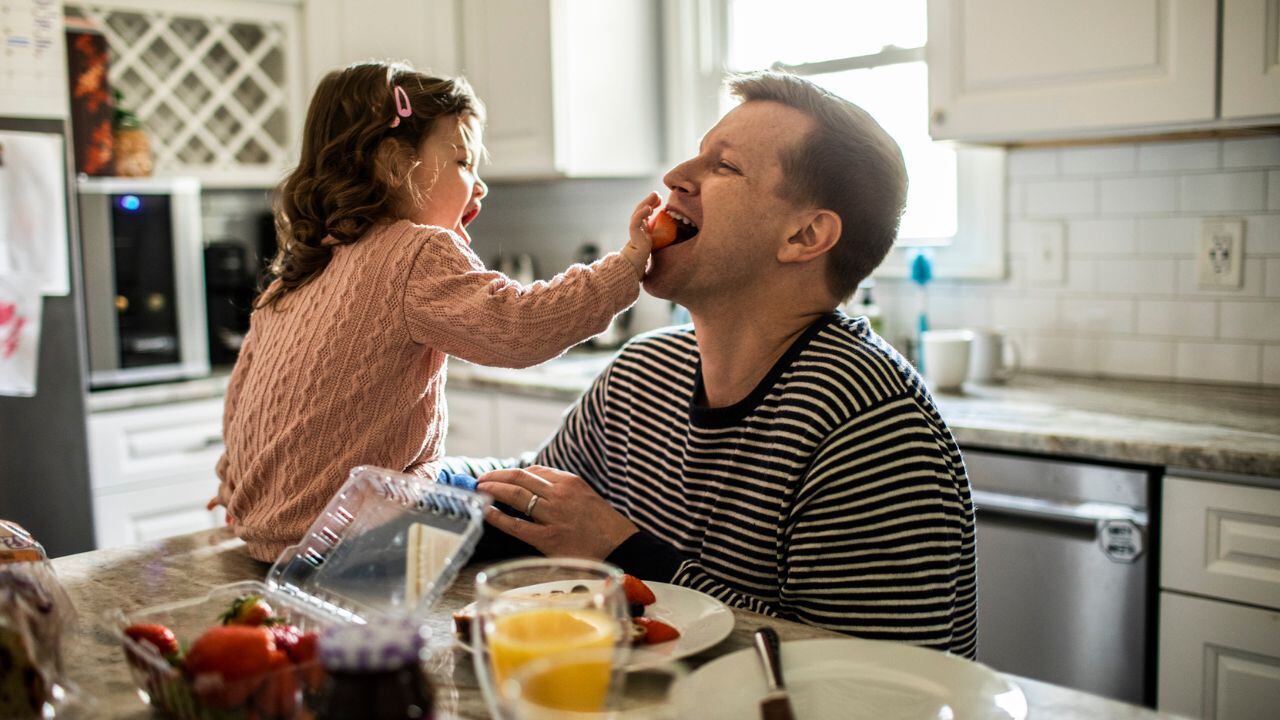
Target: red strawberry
[(286, 637), (227, 663), (637, 591), (656, 631), (158, 636), (305, 649), (249, 610), (278, 696), (662, 228)]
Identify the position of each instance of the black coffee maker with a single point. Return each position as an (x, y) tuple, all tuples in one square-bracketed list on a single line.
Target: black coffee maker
[(229, 283)]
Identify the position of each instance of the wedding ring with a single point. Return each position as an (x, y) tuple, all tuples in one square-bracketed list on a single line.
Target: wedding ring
[(528, 509)]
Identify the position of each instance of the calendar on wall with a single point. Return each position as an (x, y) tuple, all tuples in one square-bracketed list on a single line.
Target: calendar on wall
[(33, 62)]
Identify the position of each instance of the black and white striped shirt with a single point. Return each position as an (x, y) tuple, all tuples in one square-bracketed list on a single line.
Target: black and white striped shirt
[(834, 494)]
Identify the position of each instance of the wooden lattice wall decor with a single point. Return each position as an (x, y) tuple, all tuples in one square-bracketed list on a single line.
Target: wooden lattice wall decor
[(216, 83)]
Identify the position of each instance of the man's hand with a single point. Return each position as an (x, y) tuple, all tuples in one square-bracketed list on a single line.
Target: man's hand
[(568, 518)]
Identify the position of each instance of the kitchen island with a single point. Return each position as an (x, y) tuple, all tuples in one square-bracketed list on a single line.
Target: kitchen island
[(135, 576)]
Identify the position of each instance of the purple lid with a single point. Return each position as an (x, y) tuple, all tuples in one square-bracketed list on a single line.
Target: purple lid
[(376, 646)]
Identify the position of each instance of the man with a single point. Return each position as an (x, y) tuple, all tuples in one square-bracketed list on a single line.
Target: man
[(778, 454)]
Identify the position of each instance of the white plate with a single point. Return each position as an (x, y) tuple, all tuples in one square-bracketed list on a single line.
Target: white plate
[(848, 679), (702, 620)]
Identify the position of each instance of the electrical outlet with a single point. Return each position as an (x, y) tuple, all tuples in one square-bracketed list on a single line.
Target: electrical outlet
[(1047, 250), (1221, 252)]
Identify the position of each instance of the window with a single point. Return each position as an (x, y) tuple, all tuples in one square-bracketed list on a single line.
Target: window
[(874, 54)]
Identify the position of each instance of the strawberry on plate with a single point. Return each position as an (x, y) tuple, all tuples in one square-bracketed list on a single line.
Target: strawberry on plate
[(157, 636), (636, 591), (655, 631), (249, 610)]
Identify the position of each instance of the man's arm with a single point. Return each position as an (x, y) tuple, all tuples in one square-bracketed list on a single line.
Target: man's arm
[(873, 543)]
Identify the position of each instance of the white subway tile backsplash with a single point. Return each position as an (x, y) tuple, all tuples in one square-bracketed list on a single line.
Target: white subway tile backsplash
[(1161, 157), (1262, 235), (1223, 192), (1219, 362), (1249, 321), (1272, 273), (1024, 313), (1178, 318), (1153, 276), (1031, 163), (1060, 197), (1097, 316), (958, 307), (1251, 152), (1101, 237), (1169, 236), (1138, 195), (1271, 364), (1082, 275), (1250, 274), (1099, 160), (1140, 358), (1061, 353), (1273, 190)]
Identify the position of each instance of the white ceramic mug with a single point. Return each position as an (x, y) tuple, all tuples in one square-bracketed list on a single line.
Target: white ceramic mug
[(946, 358), (987, 358)]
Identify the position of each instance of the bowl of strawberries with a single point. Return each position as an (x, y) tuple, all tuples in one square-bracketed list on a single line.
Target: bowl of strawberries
[(238, 652)]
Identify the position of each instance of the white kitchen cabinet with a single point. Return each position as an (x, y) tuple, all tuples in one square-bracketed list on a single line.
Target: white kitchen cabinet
[(1218, 660), (471, 430), (341, 32), (525, 423), (1003, 70), (571, 86), (152, 470), (1219, 651), (1250, 58)]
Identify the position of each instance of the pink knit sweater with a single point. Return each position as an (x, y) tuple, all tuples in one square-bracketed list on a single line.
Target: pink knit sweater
[(349, 369)]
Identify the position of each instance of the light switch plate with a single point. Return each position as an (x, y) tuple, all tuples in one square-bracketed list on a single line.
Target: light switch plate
[(1218, 264), (1047, 251)]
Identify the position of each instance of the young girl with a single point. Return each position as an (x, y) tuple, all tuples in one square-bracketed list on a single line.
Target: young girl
[(374, 286)]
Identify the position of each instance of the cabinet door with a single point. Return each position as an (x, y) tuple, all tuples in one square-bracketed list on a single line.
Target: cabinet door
[(1250, 58), (1218, 661), (471, 430), (340, 32), (1011, 69), (507, 57), (154, 512), (524, 424), (158, 444)]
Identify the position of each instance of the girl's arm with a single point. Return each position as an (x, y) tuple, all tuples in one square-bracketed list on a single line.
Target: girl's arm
[(454, 304)]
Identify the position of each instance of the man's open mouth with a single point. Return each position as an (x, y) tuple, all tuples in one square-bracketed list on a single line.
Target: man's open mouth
[(685, 229)]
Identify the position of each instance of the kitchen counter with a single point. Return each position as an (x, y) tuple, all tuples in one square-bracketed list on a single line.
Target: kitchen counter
[(1211, 428), (189, 565)]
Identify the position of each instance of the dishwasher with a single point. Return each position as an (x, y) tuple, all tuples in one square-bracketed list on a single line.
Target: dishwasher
[(1066, 588)]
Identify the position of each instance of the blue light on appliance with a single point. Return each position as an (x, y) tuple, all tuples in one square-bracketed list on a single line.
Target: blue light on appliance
[(130, 203)]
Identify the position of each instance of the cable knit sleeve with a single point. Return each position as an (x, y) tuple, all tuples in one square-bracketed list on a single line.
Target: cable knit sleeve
[(454, 304)]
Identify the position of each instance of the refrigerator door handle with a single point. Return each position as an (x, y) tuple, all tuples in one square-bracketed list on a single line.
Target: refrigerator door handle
[(1090, 514)]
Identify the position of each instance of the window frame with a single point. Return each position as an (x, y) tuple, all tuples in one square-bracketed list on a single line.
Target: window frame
[(696, 36)]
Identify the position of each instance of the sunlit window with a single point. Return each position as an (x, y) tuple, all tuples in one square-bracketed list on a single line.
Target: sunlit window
[(872, 53)]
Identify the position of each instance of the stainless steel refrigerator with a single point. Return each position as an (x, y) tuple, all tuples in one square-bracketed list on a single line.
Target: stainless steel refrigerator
[(44, 467)]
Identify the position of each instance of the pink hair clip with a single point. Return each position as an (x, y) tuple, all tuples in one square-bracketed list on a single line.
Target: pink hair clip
[(403, 109)]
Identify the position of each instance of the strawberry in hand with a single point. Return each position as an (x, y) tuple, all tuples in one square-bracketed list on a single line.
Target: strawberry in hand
[(249, 610)]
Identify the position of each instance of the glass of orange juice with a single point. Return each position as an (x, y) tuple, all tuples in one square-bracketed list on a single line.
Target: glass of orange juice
[(538, 608), (535, 692)]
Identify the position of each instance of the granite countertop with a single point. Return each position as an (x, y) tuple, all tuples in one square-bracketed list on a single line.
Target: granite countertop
[(1211, 428), (136, 576)]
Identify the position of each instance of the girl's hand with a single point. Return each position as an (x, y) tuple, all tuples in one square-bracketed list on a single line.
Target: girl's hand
[(640, 244)]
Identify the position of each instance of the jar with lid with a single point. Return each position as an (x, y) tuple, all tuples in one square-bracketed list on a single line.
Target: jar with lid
[(374, 673)]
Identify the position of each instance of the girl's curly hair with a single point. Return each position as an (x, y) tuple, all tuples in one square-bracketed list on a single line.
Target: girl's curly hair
[(355, 169)]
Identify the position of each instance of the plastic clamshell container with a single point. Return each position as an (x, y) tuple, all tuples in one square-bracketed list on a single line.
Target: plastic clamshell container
[(386, 546)]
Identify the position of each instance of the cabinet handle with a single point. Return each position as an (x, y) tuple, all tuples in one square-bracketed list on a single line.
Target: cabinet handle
[(1088, 513)]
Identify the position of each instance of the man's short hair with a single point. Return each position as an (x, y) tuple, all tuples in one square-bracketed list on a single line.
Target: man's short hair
[(848, 165)]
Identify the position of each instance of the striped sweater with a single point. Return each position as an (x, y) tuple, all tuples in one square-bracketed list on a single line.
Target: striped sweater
[(834, 494)]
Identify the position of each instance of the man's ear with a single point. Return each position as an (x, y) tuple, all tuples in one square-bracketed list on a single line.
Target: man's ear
[(819, 233)]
